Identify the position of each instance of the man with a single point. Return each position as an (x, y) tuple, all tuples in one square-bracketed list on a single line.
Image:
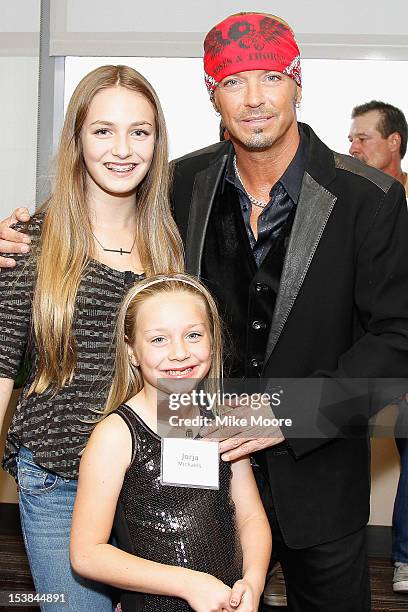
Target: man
[(378, 136), (306, 254)]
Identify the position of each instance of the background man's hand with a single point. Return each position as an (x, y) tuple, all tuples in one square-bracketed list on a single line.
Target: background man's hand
[(235, 448), (12, 241), (239, 440)]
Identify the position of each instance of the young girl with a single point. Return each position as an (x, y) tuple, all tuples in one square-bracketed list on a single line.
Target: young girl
[(188, 548), (107, 223)]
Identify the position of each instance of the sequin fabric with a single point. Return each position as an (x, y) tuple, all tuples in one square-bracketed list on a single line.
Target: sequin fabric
[(187, 527)]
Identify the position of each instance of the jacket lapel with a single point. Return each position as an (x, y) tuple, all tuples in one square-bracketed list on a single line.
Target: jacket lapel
[(204, 190), (313, 210)]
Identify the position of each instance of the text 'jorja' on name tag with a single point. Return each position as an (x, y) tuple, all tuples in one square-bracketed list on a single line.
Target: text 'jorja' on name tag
[(189, 463)]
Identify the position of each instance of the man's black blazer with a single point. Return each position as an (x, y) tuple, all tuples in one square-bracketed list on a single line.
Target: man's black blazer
[(341, 311)]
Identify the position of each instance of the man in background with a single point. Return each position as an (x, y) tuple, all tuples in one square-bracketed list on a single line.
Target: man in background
[(378, 137)]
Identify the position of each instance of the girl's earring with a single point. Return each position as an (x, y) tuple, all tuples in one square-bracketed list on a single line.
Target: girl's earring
[(132, 360), (298, 111)]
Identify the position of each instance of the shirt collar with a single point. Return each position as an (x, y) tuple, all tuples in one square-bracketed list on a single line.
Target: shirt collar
[(291, 179)]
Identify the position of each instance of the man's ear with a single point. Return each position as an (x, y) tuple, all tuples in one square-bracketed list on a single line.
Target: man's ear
[(394, 142), (214, 103), (298, 95), (132, 356)]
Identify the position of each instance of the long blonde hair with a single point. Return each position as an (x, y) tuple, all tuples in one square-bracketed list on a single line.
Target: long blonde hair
[(127, 379), (67, 242)]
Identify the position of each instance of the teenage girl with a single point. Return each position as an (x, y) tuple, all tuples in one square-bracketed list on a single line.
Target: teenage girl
[(188, 548), (106, 225)]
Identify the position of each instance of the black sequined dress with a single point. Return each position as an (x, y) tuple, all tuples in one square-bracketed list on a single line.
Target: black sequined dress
[(188, 527)]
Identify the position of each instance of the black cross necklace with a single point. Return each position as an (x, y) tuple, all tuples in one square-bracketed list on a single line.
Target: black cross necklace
[(121, 251)]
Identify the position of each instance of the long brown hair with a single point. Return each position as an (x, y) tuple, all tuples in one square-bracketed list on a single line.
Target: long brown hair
[(127, 379), (67, 242)]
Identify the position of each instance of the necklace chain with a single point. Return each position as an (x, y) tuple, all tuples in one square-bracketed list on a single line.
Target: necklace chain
[(121, 251), (251, 197)]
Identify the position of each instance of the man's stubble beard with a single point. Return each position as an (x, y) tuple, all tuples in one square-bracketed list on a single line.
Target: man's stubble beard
[(258, 141)]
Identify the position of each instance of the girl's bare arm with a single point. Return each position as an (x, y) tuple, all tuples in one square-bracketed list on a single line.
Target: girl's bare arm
[(253, 528), (6, 388)]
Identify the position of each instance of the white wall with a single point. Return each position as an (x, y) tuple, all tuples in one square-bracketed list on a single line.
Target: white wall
[(18, 108), (332, 87), (348, 16), (324, 29), (20, 16), (19, 40)]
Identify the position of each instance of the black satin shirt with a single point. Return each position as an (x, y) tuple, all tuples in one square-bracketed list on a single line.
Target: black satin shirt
[(284, 196)]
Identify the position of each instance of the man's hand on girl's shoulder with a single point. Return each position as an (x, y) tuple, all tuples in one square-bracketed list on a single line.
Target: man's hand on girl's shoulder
[(12, 241)]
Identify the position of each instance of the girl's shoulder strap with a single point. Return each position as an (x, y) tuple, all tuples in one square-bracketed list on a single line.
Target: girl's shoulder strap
[(127, 414)]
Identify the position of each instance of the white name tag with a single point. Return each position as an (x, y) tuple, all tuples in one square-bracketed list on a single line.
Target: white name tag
[(189, 463)]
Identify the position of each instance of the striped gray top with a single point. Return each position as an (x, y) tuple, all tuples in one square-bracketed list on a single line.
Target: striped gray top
[(55, 428)]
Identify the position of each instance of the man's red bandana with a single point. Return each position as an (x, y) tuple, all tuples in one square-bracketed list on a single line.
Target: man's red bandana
[(250, 41)]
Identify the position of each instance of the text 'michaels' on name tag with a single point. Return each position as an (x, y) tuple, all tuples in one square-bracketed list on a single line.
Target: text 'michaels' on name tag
[(189, 463)]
